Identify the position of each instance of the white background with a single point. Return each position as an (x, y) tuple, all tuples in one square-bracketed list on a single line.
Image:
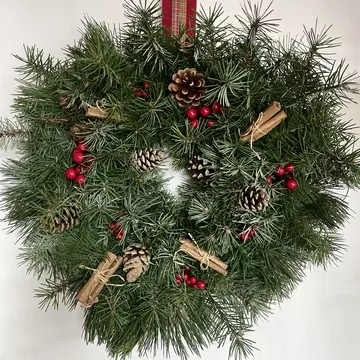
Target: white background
[(320, 321)]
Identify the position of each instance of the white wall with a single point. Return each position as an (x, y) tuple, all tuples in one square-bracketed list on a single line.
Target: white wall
[(320, 321)]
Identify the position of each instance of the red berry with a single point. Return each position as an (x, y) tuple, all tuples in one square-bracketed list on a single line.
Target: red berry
[(269, 179), (193, 280), (187, 268), (191, 113), (186, 277), (81, 146), (120, 235), (188, 282), (216, 107), (245, 236), (289, 176), (210, 123), (146, 85), (78, 156), (252, 232), (279, 171), (112, 225), (70, 174), (194, 286), (143, 94), (79, 169), (116, 231), (81, 179), (139, 93), (194, 123), (178, 276), (289, 168), (205, 111), (178, 281), (201, 284), (291, 184)]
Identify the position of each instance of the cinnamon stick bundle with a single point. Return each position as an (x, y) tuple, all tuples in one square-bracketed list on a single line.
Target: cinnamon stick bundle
[(96, 112), (188, 247), (88, 294), (267, 120)]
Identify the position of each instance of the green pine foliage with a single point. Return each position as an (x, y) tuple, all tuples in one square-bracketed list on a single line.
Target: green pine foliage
[(245, 70)]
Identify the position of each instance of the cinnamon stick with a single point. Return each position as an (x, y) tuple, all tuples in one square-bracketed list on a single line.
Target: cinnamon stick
[(203, 253), (270, 111), (96, 112), (269, 125), (267, 120), (194, 254), (89, 292)]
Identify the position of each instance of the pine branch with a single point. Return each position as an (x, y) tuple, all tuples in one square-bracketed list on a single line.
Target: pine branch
[(11, 134), (255, 23), (52, 293), (144, 37), (229, 82), (37, 68)]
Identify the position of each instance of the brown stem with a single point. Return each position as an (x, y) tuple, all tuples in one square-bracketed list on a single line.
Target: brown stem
[(13, 133)]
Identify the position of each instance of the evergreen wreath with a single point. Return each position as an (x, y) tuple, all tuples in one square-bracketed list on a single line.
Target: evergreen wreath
[(124, 103)]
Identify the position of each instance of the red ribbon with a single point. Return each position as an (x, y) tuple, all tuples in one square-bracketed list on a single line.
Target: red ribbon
[(177, 13)]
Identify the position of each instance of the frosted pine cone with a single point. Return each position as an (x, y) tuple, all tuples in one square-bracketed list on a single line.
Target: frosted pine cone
[(254, 199)]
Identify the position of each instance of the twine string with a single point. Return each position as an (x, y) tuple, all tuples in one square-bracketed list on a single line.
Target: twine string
[(101, 277), (205, 255), (205, 260), (253, 128)]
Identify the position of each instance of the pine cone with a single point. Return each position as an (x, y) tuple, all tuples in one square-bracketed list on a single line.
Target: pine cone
[(61, 218), (64, 102), (254, 199), (187, 87), (200, 168), (146, 159), (80, 130), (136, 261)]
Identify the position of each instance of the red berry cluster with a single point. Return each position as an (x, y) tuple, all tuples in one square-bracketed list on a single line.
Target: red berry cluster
[(140, 91), (192, 114), (284, 172), (117, 229), (247, 235), (190, 279), (77, 173)]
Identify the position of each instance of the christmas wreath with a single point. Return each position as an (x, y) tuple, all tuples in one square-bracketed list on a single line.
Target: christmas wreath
[(254, 125)]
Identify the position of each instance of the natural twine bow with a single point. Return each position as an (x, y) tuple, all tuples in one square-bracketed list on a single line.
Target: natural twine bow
[(205, 260), (253, 128), (205, 255), (101, 277)]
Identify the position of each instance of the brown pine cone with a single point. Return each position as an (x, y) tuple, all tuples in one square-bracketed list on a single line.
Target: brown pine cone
[(187, 87), (62, 218), (147, 159), (136, 261), (254, 198), (80, 130), (201, 169)]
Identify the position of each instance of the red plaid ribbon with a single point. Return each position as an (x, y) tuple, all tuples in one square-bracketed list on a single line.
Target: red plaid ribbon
[(179, 13)]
